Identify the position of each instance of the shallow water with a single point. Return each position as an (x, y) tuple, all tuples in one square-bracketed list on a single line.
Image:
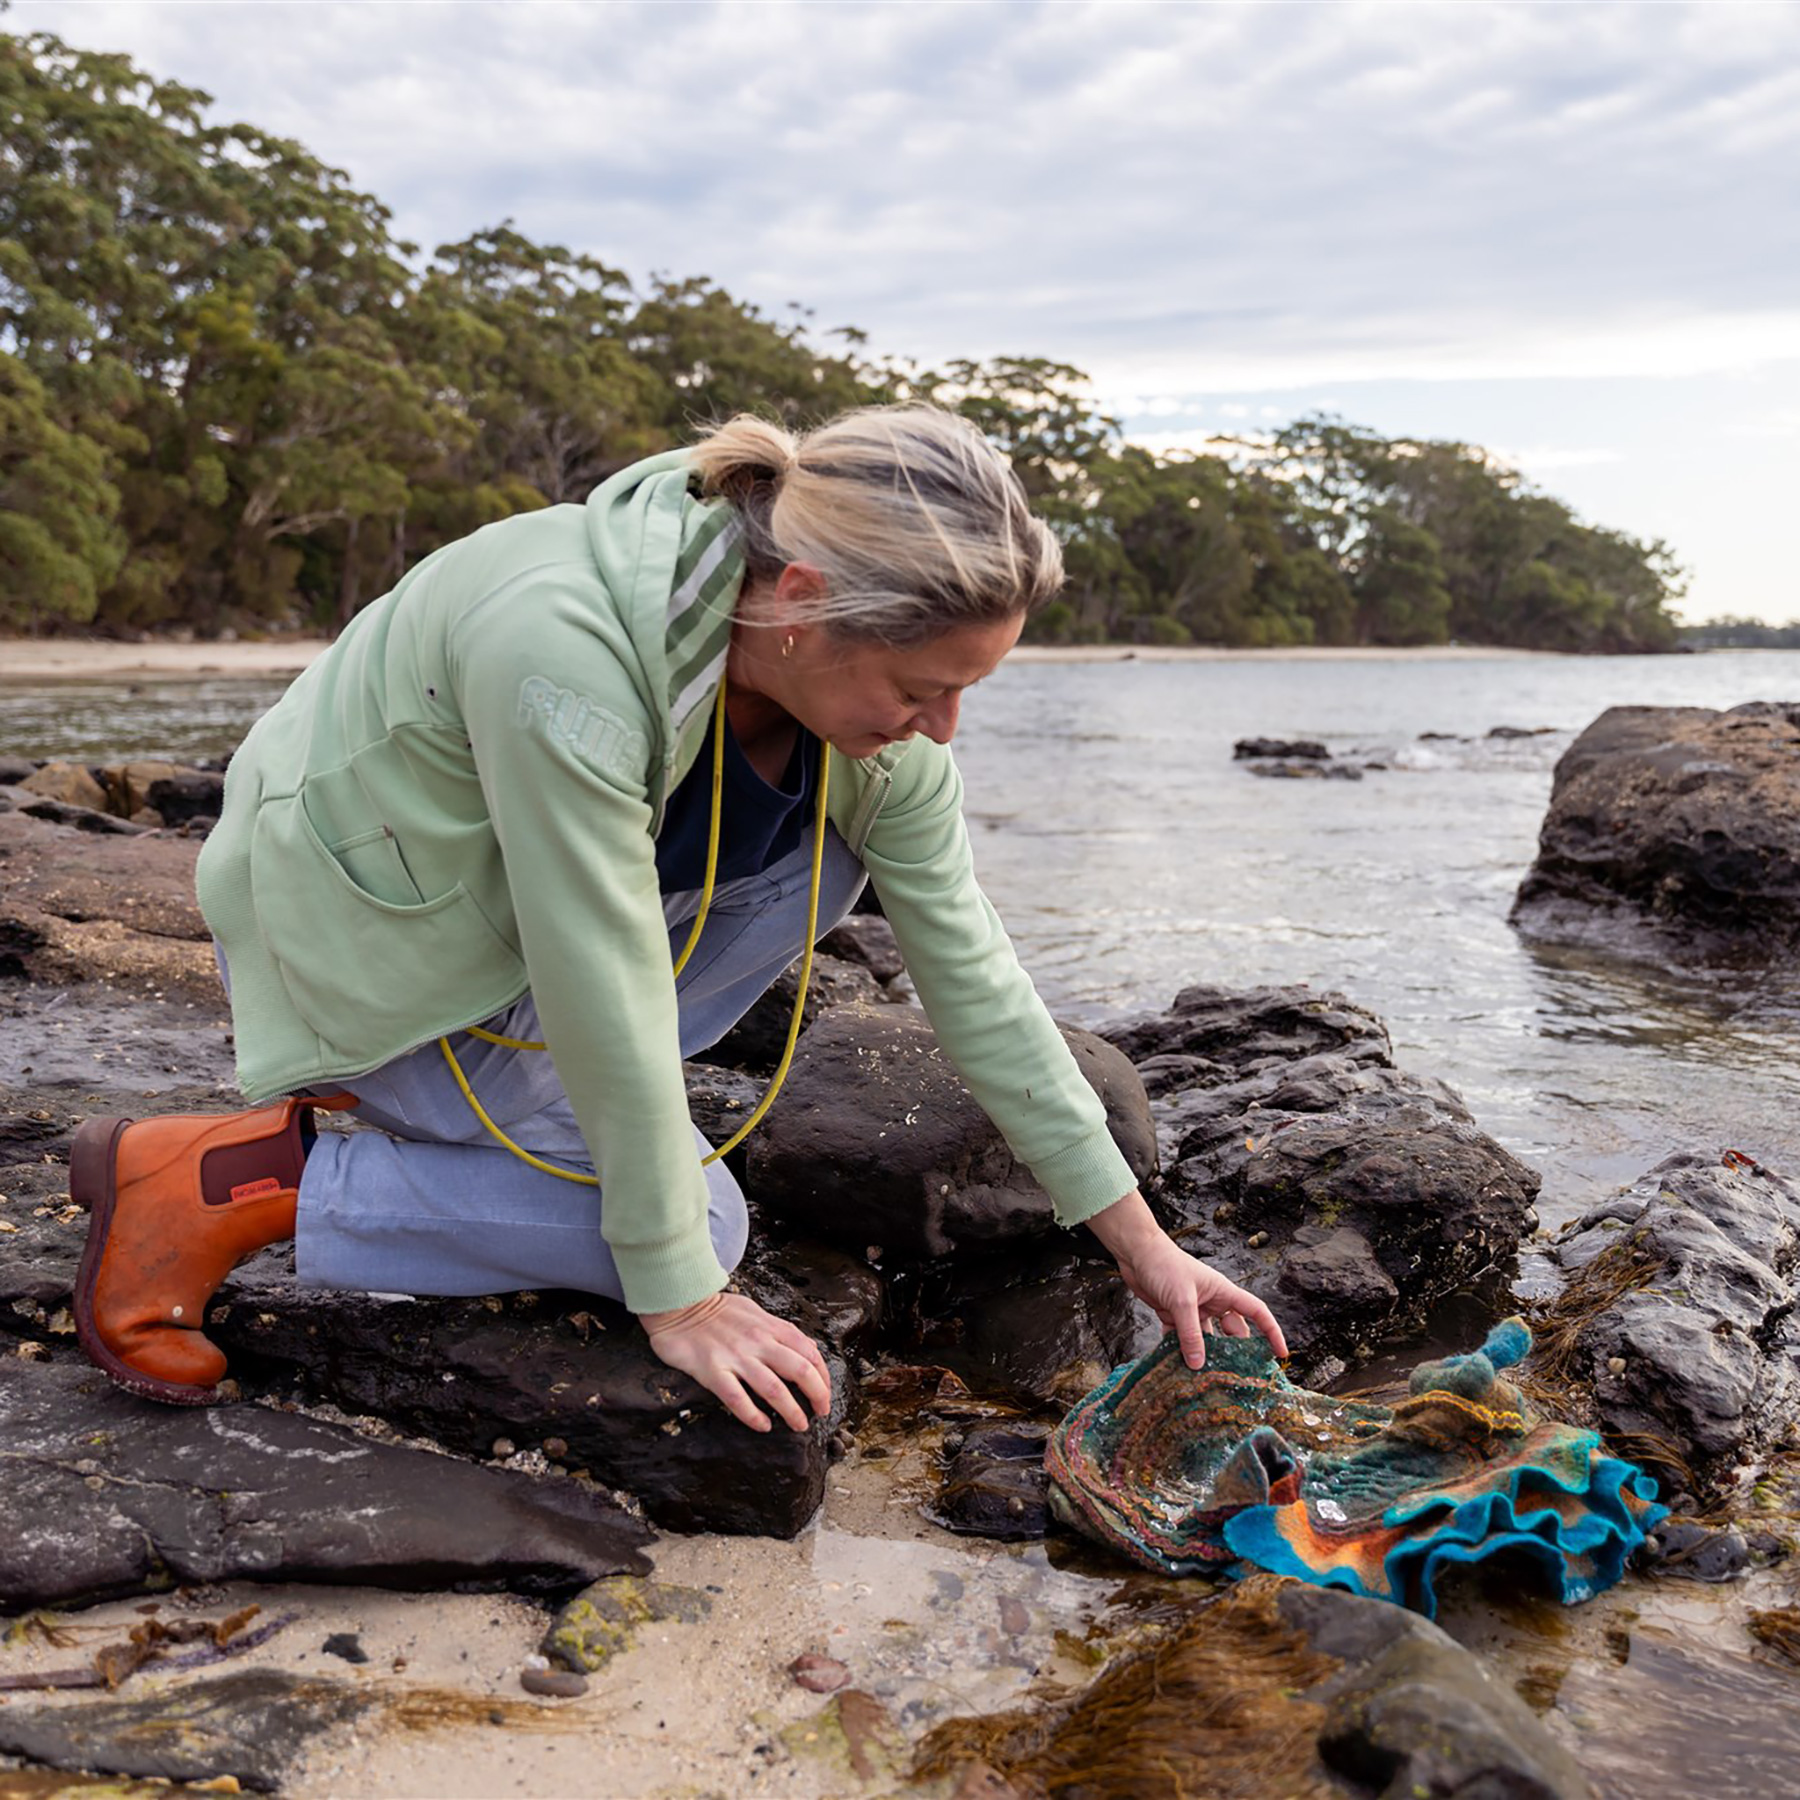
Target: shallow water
[(1130, 856)]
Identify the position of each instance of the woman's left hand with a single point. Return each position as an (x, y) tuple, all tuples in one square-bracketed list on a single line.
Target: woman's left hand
[(1186, 1294)]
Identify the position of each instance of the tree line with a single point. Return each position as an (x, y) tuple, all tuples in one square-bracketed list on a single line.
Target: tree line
[(231, 398)]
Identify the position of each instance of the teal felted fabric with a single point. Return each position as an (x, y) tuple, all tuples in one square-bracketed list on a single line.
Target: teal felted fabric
[(1232, 1467)]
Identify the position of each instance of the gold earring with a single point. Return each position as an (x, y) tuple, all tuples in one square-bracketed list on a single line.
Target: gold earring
[(787, 645)]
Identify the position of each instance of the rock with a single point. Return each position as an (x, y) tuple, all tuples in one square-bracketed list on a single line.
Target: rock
[(1042, 1324), (1410, 1712), (603, 1620), (69, 783), (108, 1494), (1354, 1198), (1689, 1278), (866, 939), (1518, 731), (819, 1674), (14, 769), (128, 786), (119, 909), (345, 1644), (252, 1725), (1276, 1688), (832, 1296), (757, 1040), (1699, 1552), (875, 1140), (187, 796), (1238, 1029), (1302, 749), (996, 1486), (720, 1100), (1673, 833), (553, 1684), (1307, 771), (81, 818)]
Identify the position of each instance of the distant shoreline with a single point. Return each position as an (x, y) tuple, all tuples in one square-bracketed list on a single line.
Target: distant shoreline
[(75, 659)]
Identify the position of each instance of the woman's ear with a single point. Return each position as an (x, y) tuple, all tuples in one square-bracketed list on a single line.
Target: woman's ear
[(798, 588)]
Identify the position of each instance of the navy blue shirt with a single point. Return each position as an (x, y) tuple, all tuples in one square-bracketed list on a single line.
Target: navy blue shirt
[(760, 822)]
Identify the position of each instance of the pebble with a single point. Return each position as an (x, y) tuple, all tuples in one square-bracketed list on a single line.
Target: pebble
[(504, 1447), (1257, 1239), (1615, 1365), (556, 1449), (553, 1684), (818, 1674)]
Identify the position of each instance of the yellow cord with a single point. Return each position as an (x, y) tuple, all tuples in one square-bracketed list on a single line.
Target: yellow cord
[(687, 950)]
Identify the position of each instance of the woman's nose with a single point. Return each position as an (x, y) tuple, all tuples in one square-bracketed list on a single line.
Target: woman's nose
[(937, 718)]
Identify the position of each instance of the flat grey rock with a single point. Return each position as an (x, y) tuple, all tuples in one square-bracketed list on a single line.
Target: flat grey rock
[(106, 1494)]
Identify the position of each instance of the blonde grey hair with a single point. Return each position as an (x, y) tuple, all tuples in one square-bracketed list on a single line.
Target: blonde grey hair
[(917, 523)]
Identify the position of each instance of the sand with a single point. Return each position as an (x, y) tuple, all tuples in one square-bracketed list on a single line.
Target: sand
[(59, 659)]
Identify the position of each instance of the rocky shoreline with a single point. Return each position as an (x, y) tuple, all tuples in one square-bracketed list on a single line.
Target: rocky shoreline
[(530, 1444)]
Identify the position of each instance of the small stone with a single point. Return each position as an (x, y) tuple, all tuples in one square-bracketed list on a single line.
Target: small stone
[(551, 1684), (505, 1447), (1615, 1365), (1015, 1507), (32, 1351), (556, 1449), (819, 1674), (1257, 1239), (346, 1644)]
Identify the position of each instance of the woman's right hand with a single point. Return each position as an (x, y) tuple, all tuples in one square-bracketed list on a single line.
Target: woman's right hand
[(735, 1349)]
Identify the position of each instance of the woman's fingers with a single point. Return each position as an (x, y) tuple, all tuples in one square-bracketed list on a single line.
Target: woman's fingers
[(737, 1402), (808, 1374), (775, 1393)]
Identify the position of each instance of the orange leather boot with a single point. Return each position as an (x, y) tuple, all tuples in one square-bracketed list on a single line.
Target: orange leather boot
[(177, 1203)]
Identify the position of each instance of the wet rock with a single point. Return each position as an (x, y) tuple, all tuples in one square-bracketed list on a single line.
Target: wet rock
[(875, 1140), (1411, 1712), (78, 908), (187, 796), (553, 1684), (108, 1494), (1240, 1029), (1688, 1281), (1307, 771), (1354, 1198), (757, 1040), (1673, 832), (253, 1726), (81, 818), (996, 1486), (128, 785), (603, 1620), (833, 1297), (1699, 1552), (1276, 1688), (1302, 749), (720, 1100), (1043, 1324), (819, 1674), (869, 940), (14, 769)]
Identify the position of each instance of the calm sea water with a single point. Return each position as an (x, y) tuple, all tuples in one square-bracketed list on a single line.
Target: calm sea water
[(1131, 856)]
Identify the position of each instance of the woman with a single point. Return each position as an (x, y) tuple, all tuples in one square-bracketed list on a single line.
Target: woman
[(476, 830)]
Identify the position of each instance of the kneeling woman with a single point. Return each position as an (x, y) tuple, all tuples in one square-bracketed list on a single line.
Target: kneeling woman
[(548, 818)]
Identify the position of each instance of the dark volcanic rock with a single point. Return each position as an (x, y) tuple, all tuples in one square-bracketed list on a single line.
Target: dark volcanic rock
[(1354, 1198), (875, 1140), (107, 1494), (186, 795), (1700, 1347), (535, 1368), (1307, 771), (1305, 749), (997, 1486), (1237, 1030), (1042, 1323), (252, 1725), (869, 940), (1674, 832), (757, 1040), (1413, 1713)]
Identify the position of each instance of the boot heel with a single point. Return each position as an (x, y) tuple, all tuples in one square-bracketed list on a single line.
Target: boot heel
[(92, 1159)]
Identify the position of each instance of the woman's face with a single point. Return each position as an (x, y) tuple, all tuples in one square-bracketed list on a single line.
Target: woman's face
[(860, 697)]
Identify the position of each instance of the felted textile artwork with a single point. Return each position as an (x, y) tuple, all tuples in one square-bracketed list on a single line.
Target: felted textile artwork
[(1231, 1467)]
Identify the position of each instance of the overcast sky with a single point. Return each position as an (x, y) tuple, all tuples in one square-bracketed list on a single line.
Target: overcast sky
[(1571, 233)]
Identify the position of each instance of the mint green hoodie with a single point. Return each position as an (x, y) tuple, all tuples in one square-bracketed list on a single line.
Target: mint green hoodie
[(459, 801)]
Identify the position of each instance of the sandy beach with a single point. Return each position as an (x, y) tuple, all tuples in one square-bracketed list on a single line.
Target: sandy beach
[(72, 659)]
